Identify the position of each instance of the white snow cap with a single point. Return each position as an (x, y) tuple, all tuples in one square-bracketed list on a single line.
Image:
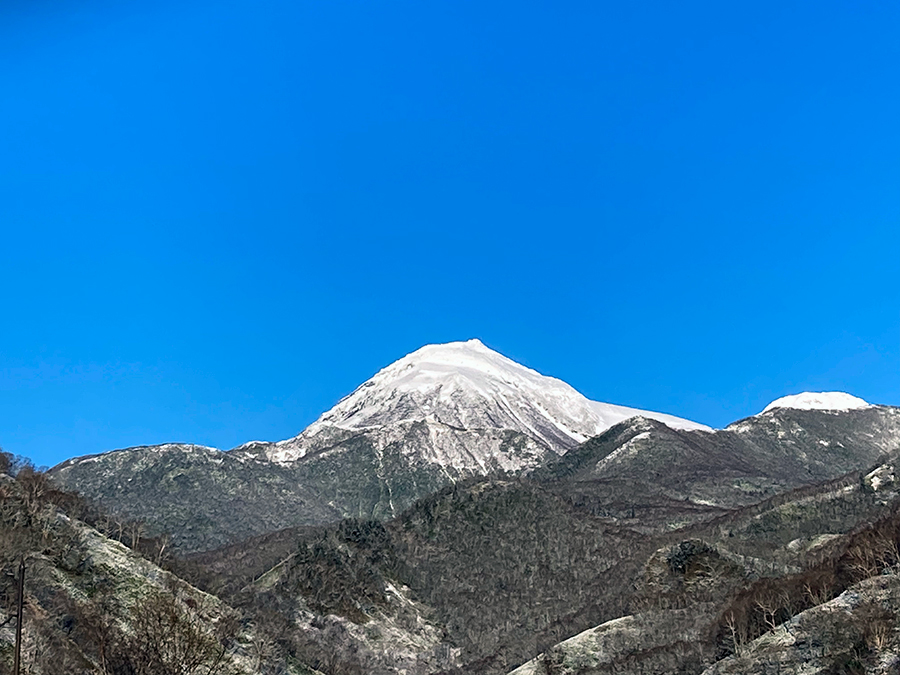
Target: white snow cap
[(819, 400), (461, 382)]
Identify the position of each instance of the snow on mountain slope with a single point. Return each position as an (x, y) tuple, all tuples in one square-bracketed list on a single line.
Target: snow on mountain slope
[(465, 386), (824, 400), (610, 415)]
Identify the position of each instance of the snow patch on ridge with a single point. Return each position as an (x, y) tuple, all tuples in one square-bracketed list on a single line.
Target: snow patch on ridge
[(610, 415), (824, 400), (158, 449)]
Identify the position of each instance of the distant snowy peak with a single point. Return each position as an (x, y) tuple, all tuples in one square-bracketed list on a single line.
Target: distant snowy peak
[(467, 386), (824, 400)]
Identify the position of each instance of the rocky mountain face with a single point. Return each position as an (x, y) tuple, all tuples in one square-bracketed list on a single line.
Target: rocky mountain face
[(439, 415)]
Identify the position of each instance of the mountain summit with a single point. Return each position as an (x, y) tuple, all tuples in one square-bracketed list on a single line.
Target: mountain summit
[(467, 386)]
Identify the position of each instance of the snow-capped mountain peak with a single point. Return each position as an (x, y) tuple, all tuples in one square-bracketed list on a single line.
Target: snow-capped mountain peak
[(467, 386), (448, 383), (819, 400)]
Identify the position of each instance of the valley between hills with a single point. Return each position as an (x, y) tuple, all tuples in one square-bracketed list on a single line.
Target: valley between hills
[(460, 513)]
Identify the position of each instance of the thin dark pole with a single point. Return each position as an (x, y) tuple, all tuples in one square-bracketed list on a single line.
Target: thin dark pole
[(21, 602)]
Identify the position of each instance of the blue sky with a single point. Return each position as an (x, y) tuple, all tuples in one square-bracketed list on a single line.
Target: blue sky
[(219, 218)]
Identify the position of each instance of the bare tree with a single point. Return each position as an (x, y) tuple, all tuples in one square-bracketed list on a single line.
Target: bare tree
[(737, 629), (136, 531), (172, 636)]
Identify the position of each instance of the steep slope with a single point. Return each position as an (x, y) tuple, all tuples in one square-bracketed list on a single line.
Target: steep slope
[(92, 605), (637, 643), (857, 632)]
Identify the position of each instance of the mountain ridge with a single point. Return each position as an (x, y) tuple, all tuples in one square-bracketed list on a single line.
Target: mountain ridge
[(443, 414)]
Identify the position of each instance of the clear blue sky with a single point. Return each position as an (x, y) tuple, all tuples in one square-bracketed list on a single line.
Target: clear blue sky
[(218, 218)]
